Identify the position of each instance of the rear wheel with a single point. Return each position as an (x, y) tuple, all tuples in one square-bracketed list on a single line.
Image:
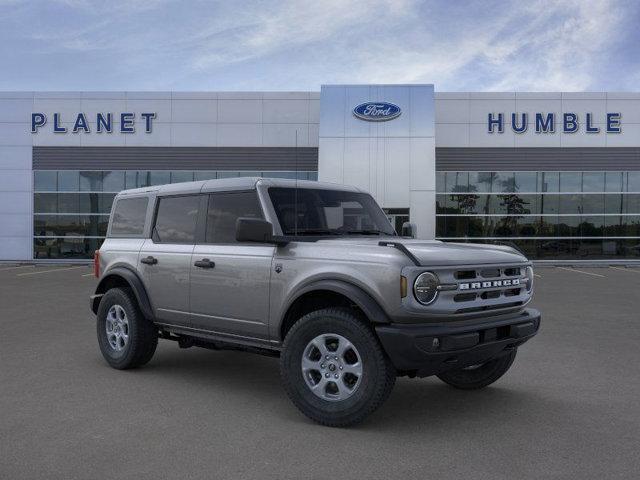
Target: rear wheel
[(126, 338), (334, 369), (479, 376)]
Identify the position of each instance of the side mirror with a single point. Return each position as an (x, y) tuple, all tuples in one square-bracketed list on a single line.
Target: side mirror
[(254, 230), (408, 230)]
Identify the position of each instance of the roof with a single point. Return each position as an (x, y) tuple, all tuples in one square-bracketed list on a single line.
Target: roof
[(235, 183)]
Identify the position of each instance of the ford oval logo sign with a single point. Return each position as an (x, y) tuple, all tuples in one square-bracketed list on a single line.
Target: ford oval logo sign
[(377, 111)]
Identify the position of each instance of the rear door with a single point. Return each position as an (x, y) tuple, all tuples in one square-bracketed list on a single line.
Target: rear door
[(230, 280), (165, 259)]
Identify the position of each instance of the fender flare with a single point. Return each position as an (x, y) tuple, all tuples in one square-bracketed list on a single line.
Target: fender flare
[(369, 306), (134, 282)]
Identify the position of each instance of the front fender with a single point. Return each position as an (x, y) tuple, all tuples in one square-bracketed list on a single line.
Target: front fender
[(357, 295)]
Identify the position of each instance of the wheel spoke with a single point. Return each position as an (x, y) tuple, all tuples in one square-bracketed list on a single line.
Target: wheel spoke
[(354, 369), (308, 364), (343, 347), (320, 344)]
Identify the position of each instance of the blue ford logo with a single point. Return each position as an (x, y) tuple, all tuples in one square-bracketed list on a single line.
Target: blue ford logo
[(377, 111)]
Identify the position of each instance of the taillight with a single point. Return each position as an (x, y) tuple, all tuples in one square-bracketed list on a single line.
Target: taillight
[(96, 263)]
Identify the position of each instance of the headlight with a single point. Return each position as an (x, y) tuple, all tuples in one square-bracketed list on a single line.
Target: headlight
[(425, 288), (529, 274)]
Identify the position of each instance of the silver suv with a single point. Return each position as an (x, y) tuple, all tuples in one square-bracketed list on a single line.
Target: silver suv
[(315, 274)]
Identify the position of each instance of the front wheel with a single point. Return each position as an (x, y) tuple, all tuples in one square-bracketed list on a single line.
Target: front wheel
[(334, 369), (479, 376)]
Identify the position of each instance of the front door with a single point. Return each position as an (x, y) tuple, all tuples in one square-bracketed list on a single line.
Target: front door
[(230, 280), (165, 259)]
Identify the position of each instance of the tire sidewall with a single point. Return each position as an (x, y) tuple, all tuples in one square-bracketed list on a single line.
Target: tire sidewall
[(125, 357)]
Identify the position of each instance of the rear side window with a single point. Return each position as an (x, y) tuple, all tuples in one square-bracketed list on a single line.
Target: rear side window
[(224, 209), (176, 219), (129, 215)]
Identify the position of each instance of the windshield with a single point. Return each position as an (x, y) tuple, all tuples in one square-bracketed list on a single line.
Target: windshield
[(307, 211)]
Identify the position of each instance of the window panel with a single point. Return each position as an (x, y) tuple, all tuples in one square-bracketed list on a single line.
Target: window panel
[(457, 182), (205, 175), (223, 211), (592, 203), (613, 182), (633, 182), (176, 219), (90, 181), (68, 181), (61, 248), (550, 204), (569, 226), (440, 182), (548, 226), (631, 203), (113, 181), (129, 216), (45, 203), (181, 176), (159, 177), (504, 182), (441, 226), (593, 182), (480, 181), (592, 226), (549, 182), (571, 203), (526, 182), (614, 226), (69, 202), (45, 181), (570, 181), (613, 203)]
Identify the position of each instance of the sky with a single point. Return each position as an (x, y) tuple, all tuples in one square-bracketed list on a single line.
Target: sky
[(184, 45)]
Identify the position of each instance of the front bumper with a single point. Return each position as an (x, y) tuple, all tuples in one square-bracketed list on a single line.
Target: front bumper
[(431, 349)]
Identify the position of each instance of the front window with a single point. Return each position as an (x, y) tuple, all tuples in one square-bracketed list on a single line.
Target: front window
[(307, 211)]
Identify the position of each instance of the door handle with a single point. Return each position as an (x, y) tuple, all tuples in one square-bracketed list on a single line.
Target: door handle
[(204, 263), (149, 260)]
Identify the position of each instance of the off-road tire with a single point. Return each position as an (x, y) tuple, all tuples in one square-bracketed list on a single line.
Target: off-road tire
[(480, 377), (143, 335), (378, 376)]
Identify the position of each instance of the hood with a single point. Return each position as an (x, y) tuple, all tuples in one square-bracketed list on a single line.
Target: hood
[(436, 253)]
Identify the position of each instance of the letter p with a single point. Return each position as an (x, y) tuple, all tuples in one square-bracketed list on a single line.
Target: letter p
[(37, 121)]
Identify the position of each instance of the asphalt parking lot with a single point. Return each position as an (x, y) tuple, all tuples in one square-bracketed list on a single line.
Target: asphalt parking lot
[(569, 408)]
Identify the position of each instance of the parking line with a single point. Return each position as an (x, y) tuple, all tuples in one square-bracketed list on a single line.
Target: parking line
[(88, 275), (632, 270), (536, 275), (580, 271), (49, 271), (14, 268)]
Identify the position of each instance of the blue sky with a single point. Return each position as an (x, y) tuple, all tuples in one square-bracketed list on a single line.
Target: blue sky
[(535, 45)]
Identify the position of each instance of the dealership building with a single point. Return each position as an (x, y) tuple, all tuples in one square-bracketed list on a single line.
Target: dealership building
[(556, 174)]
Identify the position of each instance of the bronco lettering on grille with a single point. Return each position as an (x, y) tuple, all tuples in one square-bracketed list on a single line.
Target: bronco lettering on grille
[(489, 284)]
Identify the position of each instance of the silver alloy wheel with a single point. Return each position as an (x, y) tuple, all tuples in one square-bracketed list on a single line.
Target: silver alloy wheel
[(117, 327), (332, 367)]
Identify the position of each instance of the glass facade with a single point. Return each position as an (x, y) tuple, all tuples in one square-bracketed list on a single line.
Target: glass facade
[(548, 215), (71, 208)]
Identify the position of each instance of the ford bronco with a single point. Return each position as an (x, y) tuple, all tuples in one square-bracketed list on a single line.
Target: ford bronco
[(314, 274)]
